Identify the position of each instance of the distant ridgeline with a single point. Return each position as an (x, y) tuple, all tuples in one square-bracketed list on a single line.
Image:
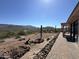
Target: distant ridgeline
[(9, 27), (7, 30), (16, 27)]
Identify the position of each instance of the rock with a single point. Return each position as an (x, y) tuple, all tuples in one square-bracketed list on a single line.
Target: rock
[(2, 58), (21, 39), (44, 52), (27, 42), (27, 48), (34, 53), (48, 39), (18, 52), (1, 41), (38, 40)]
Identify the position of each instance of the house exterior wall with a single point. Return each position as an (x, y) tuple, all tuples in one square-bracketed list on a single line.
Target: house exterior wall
[(73, 23), (74, 30), (78, 32)]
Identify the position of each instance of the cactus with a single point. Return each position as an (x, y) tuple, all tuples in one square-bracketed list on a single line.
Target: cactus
[(41, 32)]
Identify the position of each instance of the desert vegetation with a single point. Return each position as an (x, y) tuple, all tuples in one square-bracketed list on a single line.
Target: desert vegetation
[(15, 41), (7, 31)]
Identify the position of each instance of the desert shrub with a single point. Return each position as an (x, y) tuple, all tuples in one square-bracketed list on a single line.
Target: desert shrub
[(10, 34), (2, 36), (48, 39), (29, 42), (21, 32), (6, 34), (29, 32), (1, 41), (17, 36)]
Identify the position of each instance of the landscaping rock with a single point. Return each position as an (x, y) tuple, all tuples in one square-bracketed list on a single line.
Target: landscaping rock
[(21, 39), (27, 48), (27, 42), (44, 52), (38, 40), (48, 39)]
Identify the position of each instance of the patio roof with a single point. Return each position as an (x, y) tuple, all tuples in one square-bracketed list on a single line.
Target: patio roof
[(74, 15), (63, 24)]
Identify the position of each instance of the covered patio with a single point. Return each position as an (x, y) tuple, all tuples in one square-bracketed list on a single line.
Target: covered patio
[(72, 25)]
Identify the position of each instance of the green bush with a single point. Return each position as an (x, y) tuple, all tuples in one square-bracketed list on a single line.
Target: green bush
[(17, 36), (10, 34), (3, 35), (21, 32), (6, 34), (29, 32)]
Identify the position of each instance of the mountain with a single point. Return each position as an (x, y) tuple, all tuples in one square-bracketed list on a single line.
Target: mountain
[(10, 27), (48, 27), (16, 27)]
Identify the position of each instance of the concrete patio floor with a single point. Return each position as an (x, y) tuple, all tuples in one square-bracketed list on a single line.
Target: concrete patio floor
[(63, 49)]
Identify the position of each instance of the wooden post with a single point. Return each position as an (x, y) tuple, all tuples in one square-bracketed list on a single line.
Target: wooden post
[(74, 32), (55, 28), (71, 32)]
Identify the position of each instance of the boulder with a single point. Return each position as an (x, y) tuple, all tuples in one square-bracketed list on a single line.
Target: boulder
[(38, 40)]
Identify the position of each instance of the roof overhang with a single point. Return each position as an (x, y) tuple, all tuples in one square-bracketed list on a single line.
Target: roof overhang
[(63, 24), (74, 15)]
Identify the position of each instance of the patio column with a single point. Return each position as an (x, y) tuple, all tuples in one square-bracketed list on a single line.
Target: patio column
[(71, 31), (78, 30)]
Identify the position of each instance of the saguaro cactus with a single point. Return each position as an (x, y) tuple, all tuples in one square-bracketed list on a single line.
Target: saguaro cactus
[(41, 32), (39, 40), (55, 28)]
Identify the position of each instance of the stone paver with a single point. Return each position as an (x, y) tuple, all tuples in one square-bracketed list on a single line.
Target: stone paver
[(64, 50)]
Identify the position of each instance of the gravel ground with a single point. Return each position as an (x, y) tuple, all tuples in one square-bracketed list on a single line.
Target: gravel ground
[(45, 51), (38, 47), (11, 43)]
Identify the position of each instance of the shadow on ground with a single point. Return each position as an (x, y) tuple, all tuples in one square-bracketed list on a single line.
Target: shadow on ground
[(69, 38)]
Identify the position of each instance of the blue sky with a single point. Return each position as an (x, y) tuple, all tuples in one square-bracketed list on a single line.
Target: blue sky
[(36, 12)]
